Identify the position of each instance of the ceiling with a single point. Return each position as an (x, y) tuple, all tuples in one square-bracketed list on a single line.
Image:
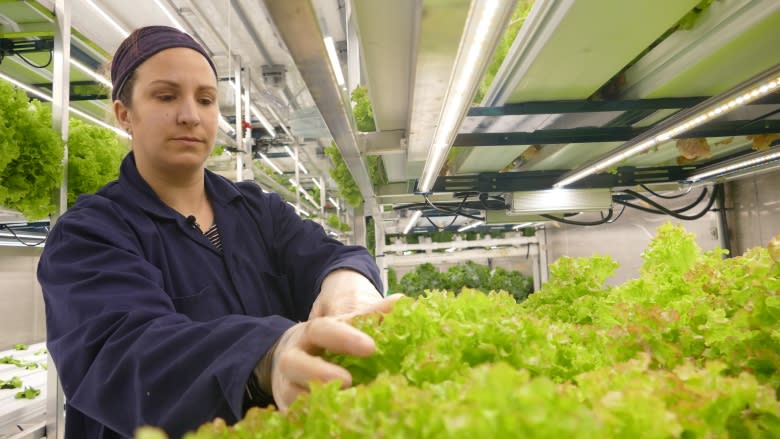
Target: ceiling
[(580, 80)]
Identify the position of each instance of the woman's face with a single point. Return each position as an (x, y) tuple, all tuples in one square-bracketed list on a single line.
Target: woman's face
[(174, 111)]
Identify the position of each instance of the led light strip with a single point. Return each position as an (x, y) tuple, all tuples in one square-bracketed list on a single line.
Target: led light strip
[(471, 225), (330, 47), (482, 31), (735, 165), (715, 107), (305, 193), (270, 163), (94, 75), (108, 18), (299, 210), (46, 98), (170, 16), (412, 221)]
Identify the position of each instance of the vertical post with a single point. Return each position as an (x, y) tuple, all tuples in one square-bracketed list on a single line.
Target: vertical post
[(55, 399), (359, 225), (246, 143), (379, 249), (353, 50), (536, 272), (239, 126), (541, 236), (323, 198), (298, 187), (723, 225)]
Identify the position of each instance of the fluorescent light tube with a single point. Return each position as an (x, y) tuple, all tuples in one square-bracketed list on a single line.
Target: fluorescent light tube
[(94, 75), (263, 120), (122, 31), (46, 98), (412, 221), (170, 16), (270, 163), (471, 226), (299, 210), (484, 27), (736, 165), (330, 47)]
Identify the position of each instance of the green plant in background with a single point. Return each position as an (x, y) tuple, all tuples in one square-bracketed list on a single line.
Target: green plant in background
[(392, 280), (468, 275), (218, 150), (30, 154), (364, 113), (334, 222), (371, 235), (94, 156), (522, 10), (348, 189)]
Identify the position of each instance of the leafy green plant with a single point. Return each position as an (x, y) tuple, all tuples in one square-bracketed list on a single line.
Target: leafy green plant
[(20, 347), (30, 154), (348, 189), (689, 349), (362, 109), (94, 156), (13, 383), (28, 393), (468, 275)]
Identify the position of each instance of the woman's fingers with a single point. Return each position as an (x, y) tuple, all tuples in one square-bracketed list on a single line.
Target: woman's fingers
[(336, 336), (301, 368)]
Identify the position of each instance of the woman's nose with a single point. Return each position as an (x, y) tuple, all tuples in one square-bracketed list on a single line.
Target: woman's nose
[(188, 112)]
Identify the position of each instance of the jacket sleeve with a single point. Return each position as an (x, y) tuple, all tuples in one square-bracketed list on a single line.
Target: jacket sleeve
[(302, 247), (124, 356)]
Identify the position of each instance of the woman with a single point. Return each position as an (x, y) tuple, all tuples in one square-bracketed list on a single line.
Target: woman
[(172, 294)]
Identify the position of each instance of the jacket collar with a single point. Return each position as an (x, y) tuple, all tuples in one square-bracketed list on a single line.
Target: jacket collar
[(220, 190)]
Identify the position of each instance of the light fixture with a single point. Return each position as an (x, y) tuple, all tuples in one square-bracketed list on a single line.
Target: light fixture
[(744, 165), (686, 120), (471, 225), (316, 182), (263, 120), (412, 221), (226, 127), (91, 73), (302, 168), (299, 210), (521, 226), (334, 202), (279, 119), (304, 192), (108, 18), (270, 163), (170, 16), (46, 98), (330, 47), (484, 28), (559, 201)]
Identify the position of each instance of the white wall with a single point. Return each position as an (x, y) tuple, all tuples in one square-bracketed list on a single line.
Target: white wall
[(754, 211), (626, 238), (22, 318)]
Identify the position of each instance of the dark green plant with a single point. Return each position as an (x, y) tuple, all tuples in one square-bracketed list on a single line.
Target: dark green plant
[(94, 155), (348, 189), (30, 154)]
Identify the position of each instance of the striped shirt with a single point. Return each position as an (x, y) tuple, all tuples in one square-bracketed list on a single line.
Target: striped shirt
[(213, 236)]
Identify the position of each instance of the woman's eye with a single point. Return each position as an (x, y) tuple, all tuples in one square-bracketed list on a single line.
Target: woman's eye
[(166, 98), (206, 101)]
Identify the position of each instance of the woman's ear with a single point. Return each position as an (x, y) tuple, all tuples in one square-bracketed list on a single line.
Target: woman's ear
[(122, 114)]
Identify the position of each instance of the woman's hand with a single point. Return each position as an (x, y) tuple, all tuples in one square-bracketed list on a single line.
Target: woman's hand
[(344, 291), (295, 359)]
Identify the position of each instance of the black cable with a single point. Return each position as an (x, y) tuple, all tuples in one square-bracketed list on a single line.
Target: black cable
[(663, 210), (6, 227), (603, 220), (618, 216), (439, 228), (31, 64), (668, 197), (457, 212), (671, 212)]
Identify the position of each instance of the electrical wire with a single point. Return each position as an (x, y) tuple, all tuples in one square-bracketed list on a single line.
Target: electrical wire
[(603, 219), (618, 215), (668, 197), (31, 64), (664, 210), (695, 203), (22, 241)]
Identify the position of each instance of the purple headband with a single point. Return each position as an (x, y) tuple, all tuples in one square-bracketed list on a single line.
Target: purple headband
[(141, 45)]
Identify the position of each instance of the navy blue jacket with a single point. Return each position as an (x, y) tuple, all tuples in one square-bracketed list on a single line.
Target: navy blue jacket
[(148, 323)]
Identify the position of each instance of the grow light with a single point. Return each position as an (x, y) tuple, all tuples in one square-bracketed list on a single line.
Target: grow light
[(712, 108)]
